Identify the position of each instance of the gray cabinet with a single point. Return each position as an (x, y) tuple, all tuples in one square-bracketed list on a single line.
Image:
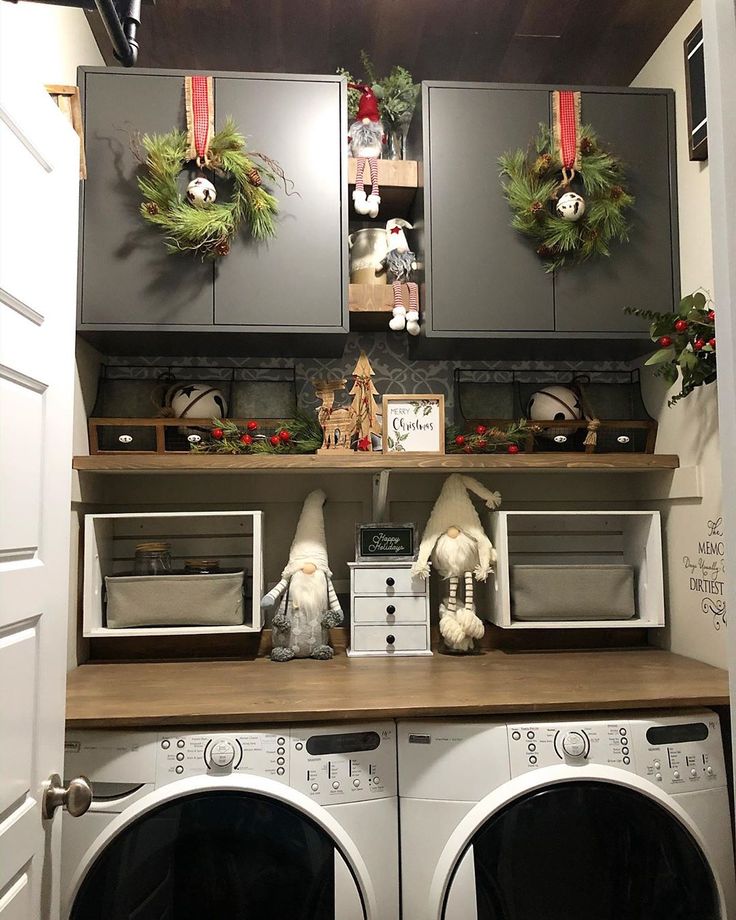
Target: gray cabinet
[(291, 290), (482, 279)]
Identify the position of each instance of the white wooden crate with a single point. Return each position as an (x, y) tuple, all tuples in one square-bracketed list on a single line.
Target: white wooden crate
[(234, 537), (579, 538)]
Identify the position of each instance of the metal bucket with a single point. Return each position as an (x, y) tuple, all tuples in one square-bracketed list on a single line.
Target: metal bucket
[(367, 248)]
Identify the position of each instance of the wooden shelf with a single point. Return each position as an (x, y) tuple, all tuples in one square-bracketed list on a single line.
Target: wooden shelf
[(371, 305), (398, 180), (135, 695), (374, 462)]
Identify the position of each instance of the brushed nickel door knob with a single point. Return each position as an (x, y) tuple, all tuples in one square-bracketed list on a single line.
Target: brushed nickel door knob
[(74, 798)]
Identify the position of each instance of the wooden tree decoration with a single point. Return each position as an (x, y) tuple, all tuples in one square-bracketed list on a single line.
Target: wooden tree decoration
[(364, 405), (338, 425)]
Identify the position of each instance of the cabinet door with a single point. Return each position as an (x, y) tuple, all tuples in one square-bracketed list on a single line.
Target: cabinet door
[(483, 276), (127, 276), (298, 279), (641, 273)]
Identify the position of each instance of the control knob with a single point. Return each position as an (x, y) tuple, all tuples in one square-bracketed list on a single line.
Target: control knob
[(222, 754), (573, 744)]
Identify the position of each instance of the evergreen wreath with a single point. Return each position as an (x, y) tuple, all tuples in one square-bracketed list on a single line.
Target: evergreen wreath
[(209, 231), (532, 186)]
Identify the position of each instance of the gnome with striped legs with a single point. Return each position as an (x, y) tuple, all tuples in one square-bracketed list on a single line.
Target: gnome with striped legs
[(366, 140), (399, 263), (460, 551), (307, 604)]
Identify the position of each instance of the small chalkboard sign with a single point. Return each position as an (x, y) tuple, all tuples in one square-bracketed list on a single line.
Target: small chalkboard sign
[(384, 541)]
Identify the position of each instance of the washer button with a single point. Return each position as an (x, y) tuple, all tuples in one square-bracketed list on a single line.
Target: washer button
[(530, 735), (280, 761), (376, 781), (622, 731), (709, 771), (180, 756), (281, 741), (315, 787), (180, 743), (627, 760), (179, 768), (356, 782), (676, 774), (624, 750), (657, 765), (531, 746), (693, 772), (335, 784), (658, 777), (166, 744), (280, 750), (280, 771), (298, 746), (532, 759), (516, 736)]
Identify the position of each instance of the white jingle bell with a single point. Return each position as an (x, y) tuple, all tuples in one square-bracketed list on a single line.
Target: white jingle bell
[(571, 206), (198, 400), (201, 192), (555, 403)]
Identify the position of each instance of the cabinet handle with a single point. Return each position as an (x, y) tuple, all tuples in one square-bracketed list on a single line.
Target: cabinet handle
[(390, 640), (391, 610), (390, 582)]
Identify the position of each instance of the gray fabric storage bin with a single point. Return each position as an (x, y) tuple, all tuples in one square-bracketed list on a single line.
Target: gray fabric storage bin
[(572, 592), (174, 600)]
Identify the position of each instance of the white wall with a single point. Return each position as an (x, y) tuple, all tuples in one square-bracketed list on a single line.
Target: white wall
[(690, 429), (45, 43)]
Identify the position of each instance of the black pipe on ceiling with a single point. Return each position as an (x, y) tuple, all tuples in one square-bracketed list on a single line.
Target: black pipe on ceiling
[(121, 19)]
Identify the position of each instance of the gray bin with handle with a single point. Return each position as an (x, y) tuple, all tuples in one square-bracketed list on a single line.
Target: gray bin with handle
[(572, 592), (174, 600)]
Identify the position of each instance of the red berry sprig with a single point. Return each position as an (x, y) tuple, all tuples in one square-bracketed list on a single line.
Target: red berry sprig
[(246, 439), (284, 435), (274, 440), (512, 449), (252, 426), (217, 434), (664, 341), (681, 325)]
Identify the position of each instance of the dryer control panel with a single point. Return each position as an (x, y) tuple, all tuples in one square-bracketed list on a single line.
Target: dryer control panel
[(679, 754), (330, 764)]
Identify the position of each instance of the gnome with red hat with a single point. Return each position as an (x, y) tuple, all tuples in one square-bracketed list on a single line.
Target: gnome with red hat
[(366, 139)]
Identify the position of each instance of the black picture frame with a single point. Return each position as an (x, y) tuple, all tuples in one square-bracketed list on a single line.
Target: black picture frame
[(695, 93), (398, 544)]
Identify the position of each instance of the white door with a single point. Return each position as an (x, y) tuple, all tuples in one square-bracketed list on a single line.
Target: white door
[(39, 187)]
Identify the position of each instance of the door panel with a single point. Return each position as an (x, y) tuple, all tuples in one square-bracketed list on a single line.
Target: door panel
[(128, 277), (37, 305), (297, 279), (591, 296), (483, 275)]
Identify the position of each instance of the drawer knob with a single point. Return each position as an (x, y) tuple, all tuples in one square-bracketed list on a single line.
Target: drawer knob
[(390, 582), (390, 640), (391, 610)]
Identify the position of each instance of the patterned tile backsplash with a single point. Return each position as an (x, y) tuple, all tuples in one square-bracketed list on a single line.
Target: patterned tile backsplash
[(395, 371)]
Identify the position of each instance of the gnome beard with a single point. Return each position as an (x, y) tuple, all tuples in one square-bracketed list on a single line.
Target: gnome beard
[(308, 594)]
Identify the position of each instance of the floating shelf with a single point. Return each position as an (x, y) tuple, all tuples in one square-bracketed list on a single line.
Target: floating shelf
[(375, 462), (398, 180)]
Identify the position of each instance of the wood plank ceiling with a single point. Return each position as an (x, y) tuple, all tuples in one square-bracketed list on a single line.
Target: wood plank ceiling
[(593, 42)]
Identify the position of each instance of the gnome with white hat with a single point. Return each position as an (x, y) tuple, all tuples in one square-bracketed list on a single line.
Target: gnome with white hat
[(459, 547), (307, 604)]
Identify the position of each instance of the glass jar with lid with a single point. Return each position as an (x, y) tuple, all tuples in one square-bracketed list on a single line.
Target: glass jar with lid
[(152, 559)]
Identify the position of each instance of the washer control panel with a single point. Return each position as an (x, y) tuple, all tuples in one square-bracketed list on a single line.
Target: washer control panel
[(332, 764), (337, 764), (679, 754)]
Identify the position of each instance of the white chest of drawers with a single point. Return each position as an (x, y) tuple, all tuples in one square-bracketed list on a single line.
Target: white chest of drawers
[(390, 611)]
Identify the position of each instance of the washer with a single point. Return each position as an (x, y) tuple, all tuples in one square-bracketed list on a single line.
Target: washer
[(598, 818), (276, 822)]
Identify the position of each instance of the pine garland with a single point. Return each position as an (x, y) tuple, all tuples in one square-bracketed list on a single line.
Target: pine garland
[(208, 232), (299, 435), (531, 185), (484, 440)]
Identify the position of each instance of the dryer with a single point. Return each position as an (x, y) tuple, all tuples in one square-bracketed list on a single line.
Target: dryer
[(589, 818), (271, 823)]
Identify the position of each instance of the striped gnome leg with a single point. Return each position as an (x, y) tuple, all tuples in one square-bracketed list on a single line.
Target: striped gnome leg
[(374, 199), (359, 200), (467, 618), (412, 314), (398, 320)]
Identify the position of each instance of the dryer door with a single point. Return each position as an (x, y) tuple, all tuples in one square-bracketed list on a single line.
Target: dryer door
[(595, 844), (235, 847)]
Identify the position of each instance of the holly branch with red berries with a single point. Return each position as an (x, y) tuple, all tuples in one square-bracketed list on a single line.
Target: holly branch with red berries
[(299, 435), (687, 343), (485, 439)]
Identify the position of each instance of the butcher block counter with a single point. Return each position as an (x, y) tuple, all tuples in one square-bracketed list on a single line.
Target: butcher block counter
[(133, 695)]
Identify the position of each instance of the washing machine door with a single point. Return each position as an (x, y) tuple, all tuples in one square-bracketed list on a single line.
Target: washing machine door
[(582, 844), (240, 847)]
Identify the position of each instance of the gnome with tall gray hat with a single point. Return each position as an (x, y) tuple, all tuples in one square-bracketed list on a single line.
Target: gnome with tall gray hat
[(307, 603), (455, 543)]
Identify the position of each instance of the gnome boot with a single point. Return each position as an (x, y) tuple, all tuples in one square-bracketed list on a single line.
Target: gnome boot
[(359, 201), (372, 204), (322, 653), (398, 320), (282, 654), (412, 322)]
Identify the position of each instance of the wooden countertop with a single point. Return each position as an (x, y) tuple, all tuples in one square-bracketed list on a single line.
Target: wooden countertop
[(115, 695)]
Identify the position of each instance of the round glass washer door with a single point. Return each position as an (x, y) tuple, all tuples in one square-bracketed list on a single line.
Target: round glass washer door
[(578, 850), (253, 850)]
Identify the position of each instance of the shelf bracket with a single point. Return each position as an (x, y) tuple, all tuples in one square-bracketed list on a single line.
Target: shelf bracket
[(380, 496)]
